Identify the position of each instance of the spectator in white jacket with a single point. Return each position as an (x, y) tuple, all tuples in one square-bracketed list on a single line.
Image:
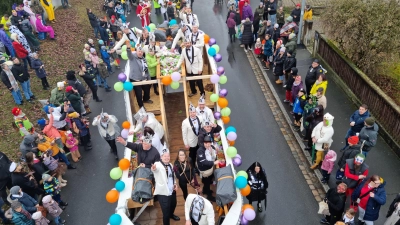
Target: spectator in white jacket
[(193, 204), (108, 129), (322, 138), (145, 119)]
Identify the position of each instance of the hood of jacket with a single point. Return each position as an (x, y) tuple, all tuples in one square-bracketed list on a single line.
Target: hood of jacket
[(232, 15), (28, 139), (374, 127), (329, 118), (331, 156)]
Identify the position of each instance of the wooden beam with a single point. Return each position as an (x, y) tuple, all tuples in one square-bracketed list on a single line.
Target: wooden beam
[(145, 82), (185, 95), (226, 209), (202, 77), (163, 113)]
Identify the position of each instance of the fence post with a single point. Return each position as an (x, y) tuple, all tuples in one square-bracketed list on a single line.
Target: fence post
[(316, 44)]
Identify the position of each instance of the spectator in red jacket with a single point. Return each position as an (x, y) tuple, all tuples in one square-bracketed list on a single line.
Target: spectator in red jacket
[(355, 171), (20, 51)]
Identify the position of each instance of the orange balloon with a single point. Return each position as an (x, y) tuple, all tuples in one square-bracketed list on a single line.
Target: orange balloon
[(225, 119), (206, 39), (112, 196), (245, 191), (231, 143), (223, 102), (166, 80), (126, 125), (124, 164), (247, 206)]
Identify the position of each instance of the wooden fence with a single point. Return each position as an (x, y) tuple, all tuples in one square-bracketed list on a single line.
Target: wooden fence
[(383, 108)]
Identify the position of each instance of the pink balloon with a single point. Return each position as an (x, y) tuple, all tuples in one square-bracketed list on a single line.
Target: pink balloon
[(249, 214), (175, 76), (214, 78), (124, 133), (231, 136)]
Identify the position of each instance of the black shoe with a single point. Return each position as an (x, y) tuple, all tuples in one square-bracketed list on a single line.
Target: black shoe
[(259, 207), (71, 167), (99, 100), (62, 221), (63, 207), (108, 89), (148, 101), (63, 203), (175, 217), (89, 144), (307, 148), (88, 148), (30, 101), (45, 88), (211, 198), (33, 97), (116, 157), (192, 94), (156, 92)]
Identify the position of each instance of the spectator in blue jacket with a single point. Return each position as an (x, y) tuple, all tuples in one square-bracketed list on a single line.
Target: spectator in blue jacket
[(372, 195), (106, 58), (6, 41), (298, 107), (29, 203), (356, 122)]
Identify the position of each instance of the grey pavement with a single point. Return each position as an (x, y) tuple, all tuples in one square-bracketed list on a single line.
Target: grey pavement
[(381, 160)]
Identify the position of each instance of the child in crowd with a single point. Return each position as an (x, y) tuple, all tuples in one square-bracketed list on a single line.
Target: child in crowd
[(298, 107), (81, 126), (72, 144), (257, 48), (56, 168), (289, 85), (268, 51), (297, 86), (102, 70), (38, 66), (120, 12), (348, 216), (40, 219), (20, 215), (152, 66), (52, 188), (106, 58), (53, 208), (327, 165)]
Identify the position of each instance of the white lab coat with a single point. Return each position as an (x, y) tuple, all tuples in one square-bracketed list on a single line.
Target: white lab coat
[(197, 64), (189, 137), (206, 114)]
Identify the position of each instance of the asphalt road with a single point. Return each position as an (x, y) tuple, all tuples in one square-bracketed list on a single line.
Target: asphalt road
[(290, 200)]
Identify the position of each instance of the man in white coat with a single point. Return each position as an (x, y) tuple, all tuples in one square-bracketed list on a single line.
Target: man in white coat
[(187, 16), (129, 34), (197, 38), (194, 66), (322, 138), (190, 130), (165, 187), (203, 111), (184, 31), (196, 205), (151, 45), (145, 119)]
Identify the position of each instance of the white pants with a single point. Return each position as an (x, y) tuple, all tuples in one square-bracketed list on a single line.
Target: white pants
[(361, 213)]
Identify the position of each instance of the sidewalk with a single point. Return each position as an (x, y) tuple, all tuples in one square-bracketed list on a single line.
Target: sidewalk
[(381, 160)]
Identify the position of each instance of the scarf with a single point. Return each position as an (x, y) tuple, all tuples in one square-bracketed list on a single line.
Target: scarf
[(144, 66), (12, 80), (26, 214)]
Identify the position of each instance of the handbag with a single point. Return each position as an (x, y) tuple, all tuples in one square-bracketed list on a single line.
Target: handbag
[(339, 174), (206, 173), (323, 208)]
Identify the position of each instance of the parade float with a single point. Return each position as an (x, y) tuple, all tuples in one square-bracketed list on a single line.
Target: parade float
[(230, 211)]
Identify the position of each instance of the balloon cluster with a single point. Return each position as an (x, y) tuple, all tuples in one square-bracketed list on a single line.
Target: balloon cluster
[(214, 48), (172, 80), (248, 213), (151, 27), (113, 195), (123, 83), (124, 53), (124, 133)]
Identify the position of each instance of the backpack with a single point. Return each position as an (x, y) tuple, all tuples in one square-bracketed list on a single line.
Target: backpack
[(196, 209)]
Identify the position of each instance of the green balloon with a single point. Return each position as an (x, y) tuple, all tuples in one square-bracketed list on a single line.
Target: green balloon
[(116, 173), (242, 173), (216, 47), (231, 151), (152, 27), (175, 85), (124, 55), (223, 79), (226, 111), (123, 49), (119, 86), (214, 97)]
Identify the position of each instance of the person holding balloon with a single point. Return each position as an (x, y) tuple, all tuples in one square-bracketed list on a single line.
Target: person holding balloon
[(257, 180), (194, 66), (208, 130)]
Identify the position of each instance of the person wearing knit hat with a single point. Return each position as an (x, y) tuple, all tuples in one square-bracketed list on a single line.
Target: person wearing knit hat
[(52, 204), (69, 89), (368, 135), (57, 95), (278, 63), (349, 152), (29, 203), (52, 188), (22, 122), (290, 62), (322, 138), (357, 122), (40, 219)]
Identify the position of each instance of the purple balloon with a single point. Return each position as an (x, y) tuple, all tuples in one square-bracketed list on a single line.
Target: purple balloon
[(237, 161), (212, 42), (243, 221), (122, 77), (249, 214), (220, 70), (223, 92), (217, 115), (124, 133), (218, 57), (214, 78), (238, 156)]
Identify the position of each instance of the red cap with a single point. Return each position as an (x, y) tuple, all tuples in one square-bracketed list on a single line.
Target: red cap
[(15, 111), (353, 140), (298, 4), (169, 3), (68, 89)]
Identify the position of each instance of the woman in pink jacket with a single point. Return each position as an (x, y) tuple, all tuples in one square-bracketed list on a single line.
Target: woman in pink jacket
[(42, 28)]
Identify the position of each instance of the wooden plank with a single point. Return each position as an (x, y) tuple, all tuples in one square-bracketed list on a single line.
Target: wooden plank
[(139, 83), (163, 113), (226, 209), (132, 204), (158, 70), (185, 94), (202, 77), (132, 100)]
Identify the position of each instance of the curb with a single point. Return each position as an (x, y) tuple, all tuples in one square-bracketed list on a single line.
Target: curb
[(289, 121)]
